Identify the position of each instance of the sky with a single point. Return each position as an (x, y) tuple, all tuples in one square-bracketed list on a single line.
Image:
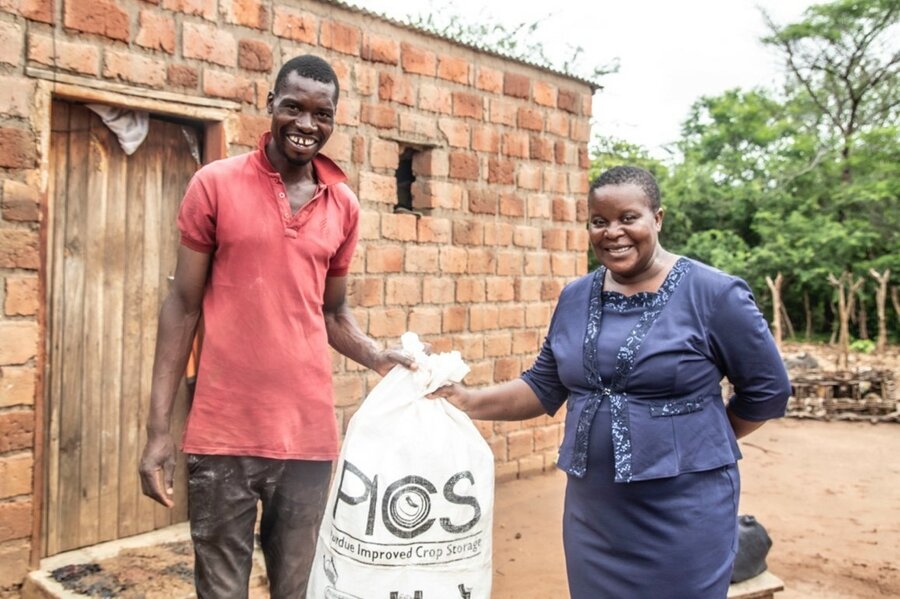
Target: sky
[(670, 52)]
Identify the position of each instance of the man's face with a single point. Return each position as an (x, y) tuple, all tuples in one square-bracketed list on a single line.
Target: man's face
[(302, 117)]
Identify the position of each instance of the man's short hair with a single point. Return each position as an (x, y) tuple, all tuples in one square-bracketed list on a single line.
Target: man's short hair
[(311, 67), (625, 175)]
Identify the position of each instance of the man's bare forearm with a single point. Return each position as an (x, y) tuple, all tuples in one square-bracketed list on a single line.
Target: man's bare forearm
[(345, 336)]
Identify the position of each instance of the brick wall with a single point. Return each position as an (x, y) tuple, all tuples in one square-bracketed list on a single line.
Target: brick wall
[(501, 170)]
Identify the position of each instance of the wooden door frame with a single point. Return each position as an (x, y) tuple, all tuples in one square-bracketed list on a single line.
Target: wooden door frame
[(209, 114)]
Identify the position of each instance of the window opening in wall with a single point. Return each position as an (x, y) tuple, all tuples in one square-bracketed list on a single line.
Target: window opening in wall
[(405, 178)]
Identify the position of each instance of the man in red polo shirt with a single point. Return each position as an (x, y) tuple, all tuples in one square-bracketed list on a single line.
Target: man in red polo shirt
[(266, 243)]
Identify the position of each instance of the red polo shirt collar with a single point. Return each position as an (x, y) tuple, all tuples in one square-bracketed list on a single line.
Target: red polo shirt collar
[(327, 172)]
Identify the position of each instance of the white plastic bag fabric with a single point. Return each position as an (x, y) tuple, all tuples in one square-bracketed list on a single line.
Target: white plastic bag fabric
[(410, 510)]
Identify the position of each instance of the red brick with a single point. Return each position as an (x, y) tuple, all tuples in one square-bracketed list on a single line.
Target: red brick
[(403, 291), (347, 113), (537, 263), (581, 263), (564, 209), (366, 291), (468, 232), (501, 172), (366, 79), (20, 202), (421, 259), (295, 25), (538, 206), (254, 55), (17, 150), (348, 390), (556, 181), (17, 386), (529, 177), (497, 344), (453, 320), (489, 80), (540, 148), (485, 139), (587, 105), (16, 560), (568, 101), (581, 131), (33, 10), (396, 88), (584, 158), (181, 75), (201, 8), (550, 290), (512, 205), (561, 152), (417, 60), (425, 321), (249, 13), (526, 236), (500, 290), (431, 163), (517, 86), (369, 224), (503, 112), (453, 69), (224, 85), (434, 98), (562, 265), (21, 296), (15, 519), (102, 17), (387, 322), (558, 124), (341, 37), (511, 317), (507, 369), (520, 444), (16, 475), (11, 42), (525, 342), (398, 227), (434, 230), (249, 127), (437, 290), (472, 348), (135, 68), (377, 188), (467, 105), (516, 144), (528, 289), (482, 373), (379, 115), (437, 194), (378, 48), (481, 260), (384, 154), (453, 260), (384, 259), (578, 183), (483, 318), (529, 118), (578, 240), (18, 247), (16, 431), (418, 124), (470, 290), (464, 165), (156, 31), (509, 262), (456, 132), (484, 201), (499, 234), (209, 43), (554, 239), (544, 94), (537, 315)]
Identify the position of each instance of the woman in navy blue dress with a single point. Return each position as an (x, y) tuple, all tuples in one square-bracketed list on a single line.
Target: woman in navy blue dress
[(636, 351)]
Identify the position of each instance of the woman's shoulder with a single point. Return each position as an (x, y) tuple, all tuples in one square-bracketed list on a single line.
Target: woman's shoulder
[(578, 287), (709, 281)]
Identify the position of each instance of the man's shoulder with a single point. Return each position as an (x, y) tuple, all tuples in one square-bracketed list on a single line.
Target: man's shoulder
[(225, 167)]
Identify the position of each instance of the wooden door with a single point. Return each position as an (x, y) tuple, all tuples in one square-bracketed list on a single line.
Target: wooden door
[(113, 245)]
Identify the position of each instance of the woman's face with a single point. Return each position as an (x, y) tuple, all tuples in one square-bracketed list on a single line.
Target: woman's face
[(623, 229)]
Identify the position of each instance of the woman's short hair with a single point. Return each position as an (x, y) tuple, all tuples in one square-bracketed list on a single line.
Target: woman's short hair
[(311, 67), (634, 175)]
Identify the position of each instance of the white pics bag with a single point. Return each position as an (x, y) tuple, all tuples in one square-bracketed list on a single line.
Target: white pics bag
[(410, 510)]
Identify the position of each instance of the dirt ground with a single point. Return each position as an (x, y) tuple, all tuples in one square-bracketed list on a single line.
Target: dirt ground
[(828, 493)]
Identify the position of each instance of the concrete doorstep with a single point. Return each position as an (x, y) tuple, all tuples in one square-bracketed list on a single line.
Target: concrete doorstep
[(40, 584)]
